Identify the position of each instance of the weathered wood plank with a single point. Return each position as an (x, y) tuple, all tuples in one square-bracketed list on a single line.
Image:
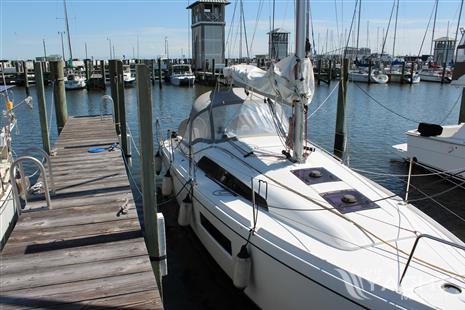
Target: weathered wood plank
[(84, 252)]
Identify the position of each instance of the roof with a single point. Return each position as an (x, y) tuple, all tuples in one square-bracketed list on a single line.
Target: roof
[(225, 2), (444, 39), (278, 30)]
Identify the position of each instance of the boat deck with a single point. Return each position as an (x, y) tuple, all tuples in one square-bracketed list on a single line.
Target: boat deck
[(83, 252)]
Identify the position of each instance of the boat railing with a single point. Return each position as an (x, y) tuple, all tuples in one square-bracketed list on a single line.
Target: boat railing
[(49, 163), (18, 164), (450, 243)]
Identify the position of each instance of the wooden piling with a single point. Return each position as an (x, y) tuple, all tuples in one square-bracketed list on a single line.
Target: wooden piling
[(403, 72), (370, 69), (213, 70), (26, 79), (122, 108), (102, 69), (159, 74), (412, 72), (40, 91), (330, 71), (87, 68), (339, 138), (154, 74), (319, 72), (462, 108), (149, 193), (114, 92), (59, 95)]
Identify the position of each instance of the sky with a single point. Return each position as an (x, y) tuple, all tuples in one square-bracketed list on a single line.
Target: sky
[(24, 24)]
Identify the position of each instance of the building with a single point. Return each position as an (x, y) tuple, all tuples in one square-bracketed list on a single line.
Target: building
[(208, 38), (278, 43), (444, 50)]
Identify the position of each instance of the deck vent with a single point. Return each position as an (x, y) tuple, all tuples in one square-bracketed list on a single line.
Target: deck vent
[(311, 176), (347, 201), (451, 288)]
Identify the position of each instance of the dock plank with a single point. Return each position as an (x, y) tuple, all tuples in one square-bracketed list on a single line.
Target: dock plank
[(83, 252)]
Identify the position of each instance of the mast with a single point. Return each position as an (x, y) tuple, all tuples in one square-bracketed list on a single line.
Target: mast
[(434, 26), (300, 103), (67, 32), (395, 31)]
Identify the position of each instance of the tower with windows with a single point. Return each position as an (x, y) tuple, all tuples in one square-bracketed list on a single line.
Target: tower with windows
[(208, 34)]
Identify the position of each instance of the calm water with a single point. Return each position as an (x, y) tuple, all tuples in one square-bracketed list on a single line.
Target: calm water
[(371, 129), (195, 281)]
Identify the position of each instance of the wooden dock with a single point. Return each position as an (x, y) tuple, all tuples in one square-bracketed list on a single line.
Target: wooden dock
[(83, 252)]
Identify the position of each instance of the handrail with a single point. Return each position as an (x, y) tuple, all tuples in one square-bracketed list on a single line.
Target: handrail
[(19, 161), (459, 246), (50, 170)]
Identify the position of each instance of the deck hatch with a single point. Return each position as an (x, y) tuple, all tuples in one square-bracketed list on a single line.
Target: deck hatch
[(317, 175), (348, 201)]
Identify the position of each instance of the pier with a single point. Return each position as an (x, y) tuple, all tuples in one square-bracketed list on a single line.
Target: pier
[(87, 250)]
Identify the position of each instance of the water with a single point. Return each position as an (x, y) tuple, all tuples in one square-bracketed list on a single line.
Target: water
[(371, 131)]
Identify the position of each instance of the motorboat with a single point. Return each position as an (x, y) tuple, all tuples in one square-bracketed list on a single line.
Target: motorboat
[(363, 76), (435, 75), (291, 225), (441, 148), (74, 79), (128, 78), (181, 75)]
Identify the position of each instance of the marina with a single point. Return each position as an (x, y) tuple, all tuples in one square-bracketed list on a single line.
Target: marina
[(259, 170)]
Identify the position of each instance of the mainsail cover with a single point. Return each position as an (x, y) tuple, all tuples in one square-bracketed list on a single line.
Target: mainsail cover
[(288, 80)]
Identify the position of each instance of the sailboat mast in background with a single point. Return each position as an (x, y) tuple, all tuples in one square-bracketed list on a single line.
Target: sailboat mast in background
[(67, 32)]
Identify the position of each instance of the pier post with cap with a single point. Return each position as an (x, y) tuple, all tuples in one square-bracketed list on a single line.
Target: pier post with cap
[(26, 79), (102, 69), (121, 107), (339, 138), (149, 193), (59, 95), (159, 73), (114, 92), (40, 91)]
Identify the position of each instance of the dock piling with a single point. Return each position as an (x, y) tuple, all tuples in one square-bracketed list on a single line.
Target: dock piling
[(149, 193), (114, 93), (102, 69), (122, 108), (339, 138), (59, 95), (40, 90), (26, 79), (159, 74)]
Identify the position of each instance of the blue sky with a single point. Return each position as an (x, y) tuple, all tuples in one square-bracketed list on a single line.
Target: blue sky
[(25, 23)]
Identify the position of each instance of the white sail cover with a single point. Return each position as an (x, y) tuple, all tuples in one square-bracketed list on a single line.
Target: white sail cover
[(279, 82)]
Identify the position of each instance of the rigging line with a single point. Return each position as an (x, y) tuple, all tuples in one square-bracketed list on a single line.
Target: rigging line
[(457, 29), (385, 107), (406, 175), (229, 37), (245, 31), (434, 26), (438, 194), (395, 31), (259, 12), (426, 31), (350, 29), (324, 101), (451, 109), (355, 223), (387, 30)]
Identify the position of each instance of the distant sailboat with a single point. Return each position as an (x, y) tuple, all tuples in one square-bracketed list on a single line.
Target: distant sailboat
[(74, 78)]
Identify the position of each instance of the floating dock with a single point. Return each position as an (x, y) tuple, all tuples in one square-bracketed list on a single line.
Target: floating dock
[(83, 252)]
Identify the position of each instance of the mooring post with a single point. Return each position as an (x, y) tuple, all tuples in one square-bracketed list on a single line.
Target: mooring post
[(370, 68), (104, 78), (26, 79), (412, 73), (319, 72), (149, 193), (339, 138), (114, 93), (122, 108), (59, 95), (443, 72), (462, 108), (402, 74), (213, 70), (330, 71), (40, 90), (87, 68), (159, 73), (154, 72)]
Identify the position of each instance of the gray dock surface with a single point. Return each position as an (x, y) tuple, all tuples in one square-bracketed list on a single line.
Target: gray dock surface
[(82, 253)]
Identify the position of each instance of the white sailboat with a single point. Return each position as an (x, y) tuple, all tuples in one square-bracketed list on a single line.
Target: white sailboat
[(181, 74), (290, 224), (435, 75), (74, 78), (439, 147), (128, 78), (363, 76)]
